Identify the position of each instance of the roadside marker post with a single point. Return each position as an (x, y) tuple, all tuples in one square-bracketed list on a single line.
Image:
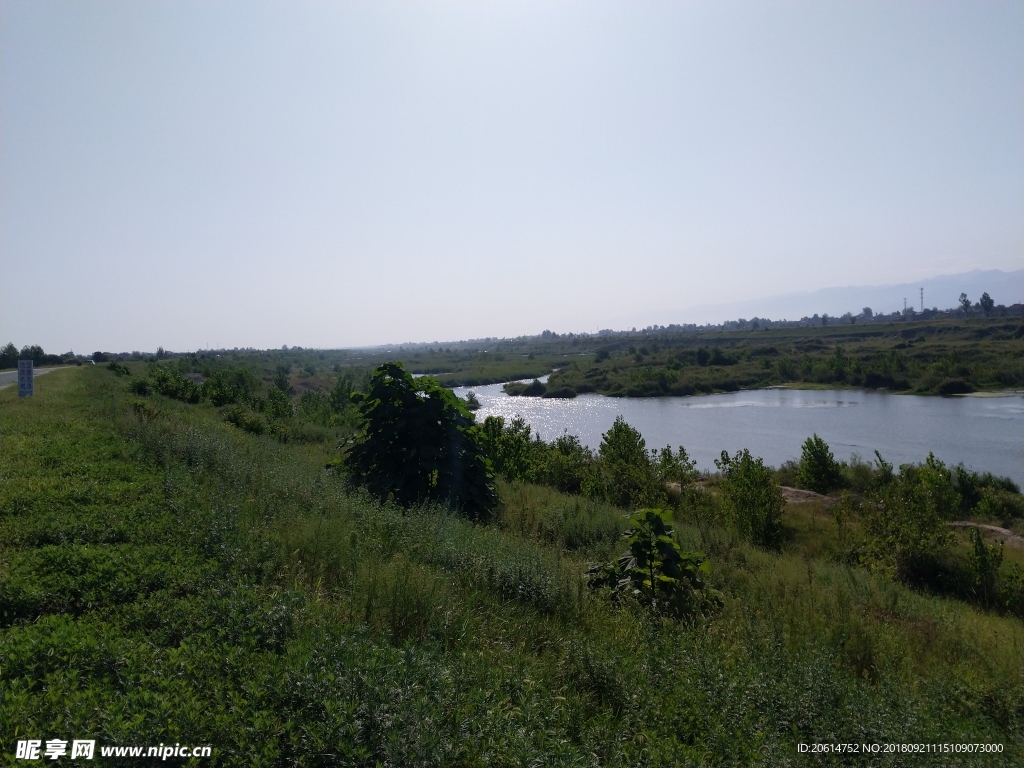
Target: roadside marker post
[(25, 376)]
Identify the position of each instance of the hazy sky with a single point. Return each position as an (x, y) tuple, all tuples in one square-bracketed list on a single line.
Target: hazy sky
[(331, 174)]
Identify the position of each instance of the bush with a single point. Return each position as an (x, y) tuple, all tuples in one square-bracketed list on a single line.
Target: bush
[(315, 406), (171, 383), (626, 474), (278, 406), (906, 519), (787, 473), (140, 387), (243, 419), (565, 464), (985, 561), (1001, 496), (507, 446), (819, 471), (858, 475), (234, 385), (751, 498), (655, 571), (1000, 505), (955, 387)]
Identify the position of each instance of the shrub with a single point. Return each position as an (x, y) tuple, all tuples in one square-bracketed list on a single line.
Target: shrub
[(1000, 505), (819, 471), (507, 446), (626, 474), (656, 571), (243, 419), (751, 498), (171, 383), (140, 387), (985, 560), (233, 385), (858, 475), (565, 464), (278, 406), (676, 467), (787, 472), (315, 406), (906, 519), (955, 387)]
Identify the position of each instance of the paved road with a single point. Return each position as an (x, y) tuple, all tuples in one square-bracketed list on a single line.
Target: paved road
[(10, 378)]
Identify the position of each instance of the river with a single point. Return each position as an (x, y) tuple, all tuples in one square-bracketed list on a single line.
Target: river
[(985, 433)]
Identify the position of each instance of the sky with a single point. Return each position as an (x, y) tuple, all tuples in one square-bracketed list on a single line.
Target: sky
[(234, 174)]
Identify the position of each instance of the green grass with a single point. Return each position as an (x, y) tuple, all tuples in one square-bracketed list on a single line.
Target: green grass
[(166, 577), (927, 357)]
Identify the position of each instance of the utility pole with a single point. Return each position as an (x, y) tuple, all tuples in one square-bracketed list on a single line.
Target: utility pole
[(922, 298), (904, 306)]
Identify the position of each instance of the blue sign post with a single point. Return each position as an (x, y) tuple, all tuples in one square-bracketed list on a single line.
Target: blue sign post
[(25, 376)]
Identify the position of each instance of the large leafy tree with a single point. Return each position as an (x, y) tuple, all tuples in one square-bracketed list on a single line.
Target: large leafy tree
[(420, 443)]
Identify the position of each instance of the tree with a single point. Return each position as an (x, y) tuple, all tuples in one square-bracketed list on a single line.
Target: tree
[(627, 473), (508, 446), (341, 395), (34, 353), (281, 380), (986, 303), (868, 314), (906, 519), (8, 356), (419, 443), (752, 498), (278, 406), (965, 303), (566, 464), (676, 467), (819, 471)]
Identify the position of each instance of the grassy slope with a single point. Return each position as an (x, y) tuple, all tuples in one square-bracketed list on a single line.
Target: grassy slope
[(166, 578)]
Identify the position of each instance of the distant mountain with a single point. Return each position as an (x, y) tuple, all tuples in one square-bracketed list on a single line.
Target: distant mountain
[(941, 292)]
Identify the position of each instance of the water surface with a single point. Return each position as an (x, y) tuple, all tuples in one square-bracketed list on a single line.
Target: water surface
[(985, 433)]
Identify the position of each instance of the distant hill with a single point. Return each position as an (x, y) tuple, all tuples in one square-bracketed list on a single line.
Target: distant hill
[(941, 292)]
